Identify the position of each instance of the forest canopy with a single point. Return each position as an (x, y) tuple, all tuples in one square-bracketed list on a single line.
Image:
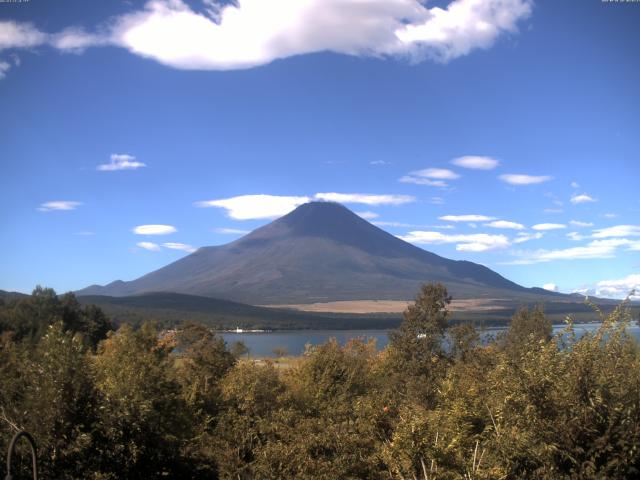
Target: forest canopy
[(436, 403)]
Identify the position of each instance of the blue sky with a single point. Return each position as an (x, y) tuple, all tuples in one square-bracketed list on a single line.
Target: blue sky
[(117, 115)]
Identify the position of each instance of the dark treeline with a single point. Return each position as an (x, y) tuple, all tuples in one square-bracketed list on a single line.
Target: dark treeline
[(144, 404)]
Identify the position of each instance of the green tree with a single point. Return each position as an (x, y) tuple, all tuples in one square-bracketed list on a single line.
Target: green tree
[(416, 358), (143, 415)]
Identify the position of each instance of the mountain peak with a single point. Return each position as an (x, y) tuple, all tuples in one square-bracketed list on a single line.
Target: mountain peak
[(321, 251)]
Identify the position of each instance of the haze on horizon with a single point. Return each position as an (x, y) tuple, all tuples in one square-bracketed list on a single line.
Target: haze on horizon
[(501, 132)]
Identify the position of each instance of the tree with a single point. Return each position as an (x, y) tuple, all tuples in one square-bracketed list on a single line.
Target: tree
[(416, 356), (527, 329), (143, 416)]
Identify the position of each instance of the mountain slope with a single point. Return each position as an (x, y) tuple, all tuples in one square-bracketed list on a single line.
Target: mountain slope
[(318, 252)]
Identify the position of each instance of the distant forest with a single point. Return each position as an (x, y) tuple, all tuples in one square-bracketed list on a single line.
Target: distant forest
[(106, 402)]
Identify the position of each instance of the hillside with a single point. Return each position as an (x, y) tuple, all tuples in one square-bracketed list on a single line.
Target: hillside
[(170, 309)]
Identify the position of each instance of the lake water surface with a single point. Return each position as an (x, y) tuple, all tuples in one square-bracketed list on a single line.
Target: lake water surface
[(262, 344)]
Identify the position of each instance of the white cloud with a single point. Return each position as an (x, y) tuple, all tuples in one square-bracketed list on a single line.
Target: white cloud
[(179, 246), (610, 215), (519, 179), (582, 198), (578, 223), (154, 229), (548, 226), (379, 162), (365, 198), (575, 185), (153, 247), (466, 218), (394, 224), (439, 173), (476, 162), (505, 224), (525, 237), (477, 242), (422, 181), (248, 33), (619, 288), (248, 207), (120, 161), (575, 236), (433, 177), (4, 68), (605, 248), (19, 35), (76, 40), (367, 215), (553, 210), (231, 231), (617, 231), (552, 287), (58, 205)]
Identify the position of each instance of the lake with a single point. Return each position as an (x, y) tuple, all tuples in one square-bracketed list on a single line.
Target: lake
[(261, 344)]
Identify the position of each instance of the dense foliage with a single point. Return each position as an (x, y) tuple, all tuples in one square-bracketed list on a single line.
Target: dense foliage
[(435, 404)]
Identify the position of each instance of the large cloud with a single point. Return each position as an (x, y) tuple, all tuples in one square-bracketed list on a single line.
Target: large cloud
[(250, 207), (248, 33), (620, 288)]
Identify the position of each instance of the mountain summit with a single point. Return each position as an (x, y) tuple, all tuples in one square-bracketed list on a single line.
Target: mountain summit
[(320, 252)]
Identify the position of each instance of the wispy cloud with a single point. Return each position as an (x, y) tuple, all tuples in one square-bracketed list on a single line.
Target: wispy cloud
[(478, 242), (525, 237), (120, 161), (578, 223), (20, 35), (154, 229), (575, 185), (58, 205), (422, 181), (365, 198), (610, 215), (4, 68), (617, 231), (582, 198), (231, 231), (433, 177), (520, 179), (476, 162), (85, 233), (379, 162), (605, 248), (436, 200), (179, 246), (466, 218), (439, 173), (575, 236), (548, 226), (367, 215), (505, 224), (152, 247)]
